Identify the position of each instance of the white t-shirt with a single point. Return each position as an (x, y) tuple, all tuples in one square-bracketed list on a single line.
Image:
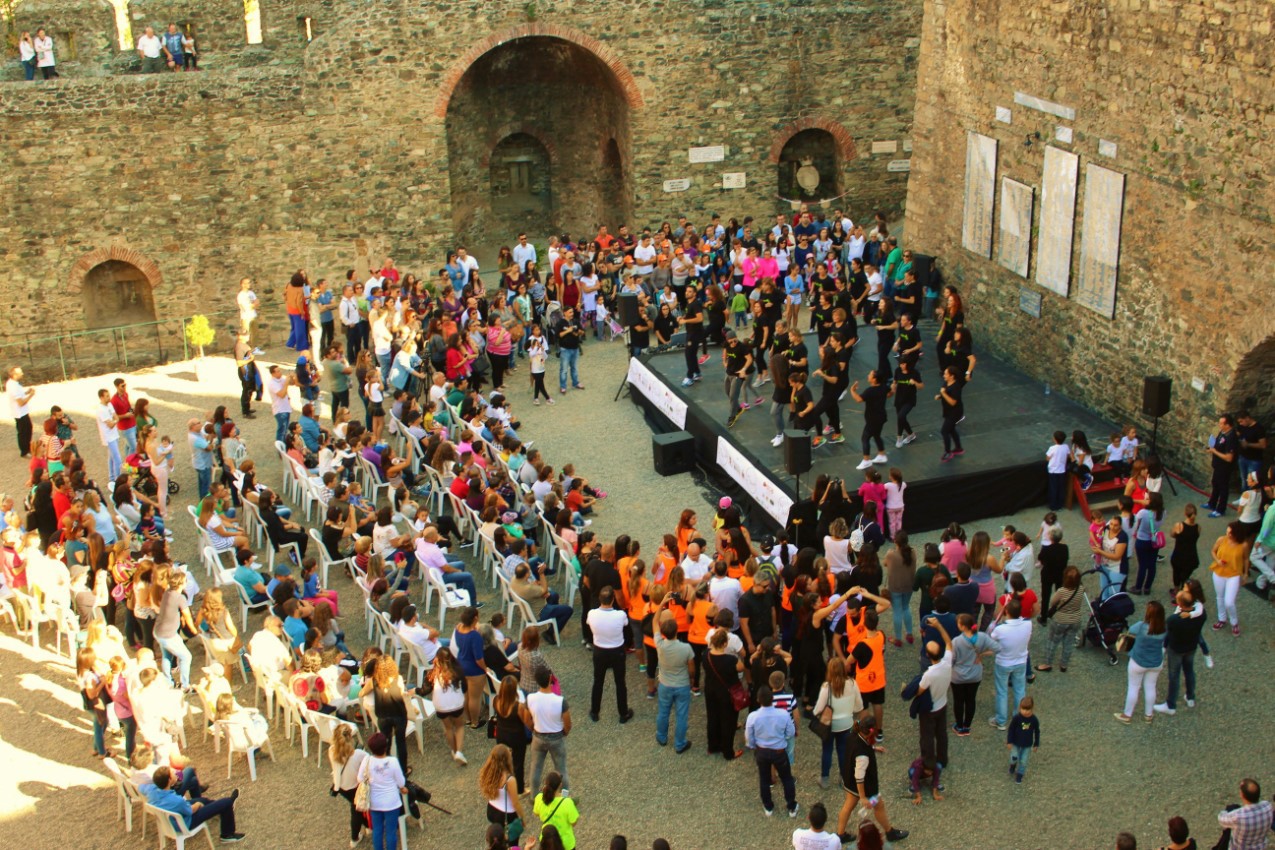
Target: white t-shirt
[(1129, 447), (607, 625), (808, 839), (696, 570), (855, 246), (1013, 637), (546, 712), (733, 643), (247, 300), (150, 45), (279, 401), (26, 51), (937, 677), (643, 256), (470, 263), (44, 50), (18, 405), (838, 554), (108, 433), (725, 592), (1057, 455), (876, 287)]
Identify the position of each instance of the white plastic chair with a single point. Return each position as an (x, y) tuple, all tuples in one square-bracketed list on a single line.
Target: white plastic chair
[(224, 730), (246, 605), (67, 625), (33, 615), (373, 482), (294, 716), (172, 826), (522, 608), (448, 597), (210, 658), (254, 525), (326, 725), (213, 565), (127, 796), (326, 561), (263, 683), (416, 661)]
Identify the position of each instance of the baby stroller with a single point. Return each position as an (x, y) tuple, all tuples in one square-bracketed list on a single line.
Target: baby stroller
[(138, 465), (1109, 618)]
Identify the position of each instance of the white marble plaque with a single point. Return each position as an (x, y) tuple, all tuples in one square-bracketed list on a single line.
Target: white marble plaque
[(1057, 220), (1100, 240), (1014, 243), (980, 193), (1004, 115), (1106, 148), (679, 185), (734, 180), (885, 147), (1066, 113), (714, 153), (899, 165), (907, 146), (1062, 134)]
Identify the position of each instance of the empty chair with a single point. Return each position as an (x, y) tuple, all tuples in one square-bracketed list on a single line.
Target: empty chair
[(127, 796)]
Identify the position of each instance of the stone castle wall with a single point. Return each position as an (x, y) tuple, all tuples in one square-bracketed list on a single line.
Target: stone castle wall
[(340, 156), (1184, 90)]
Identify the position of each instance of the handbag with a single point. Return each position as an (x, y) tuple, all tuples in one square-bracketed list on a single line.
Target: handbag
[(738, 696), (513, 829), (1053, 609), (1125, 642), (821, 724), (491, 727), (1157, 536)]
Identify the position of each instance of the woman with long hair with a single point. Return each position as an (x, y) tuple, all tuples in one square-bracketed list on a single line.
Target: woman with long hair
[(94, 694), (1146, 526), (215, 622), (951, 318), (839, 703), (389, 699), (346, 759), (512, 722), (982, 565), (387, 782), (1145, 659), (449, 700), (497, 783), (1230, 570)]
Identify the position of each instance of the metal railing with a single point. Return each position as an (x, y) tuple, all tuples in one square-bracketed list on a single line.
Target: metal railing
[(82, 353)]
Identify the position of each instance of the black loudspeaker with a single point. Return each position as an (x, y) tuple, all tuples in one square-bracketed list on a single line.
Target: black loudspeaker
[(627, 310), (796, 452), (674, 452), (923, 267), (1155, 395)]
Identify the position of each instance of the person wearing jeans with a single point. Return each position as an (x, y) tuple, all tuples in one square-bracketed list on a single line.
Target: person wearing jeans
[(676, 661), (1146, 523), (569, 334), (108, 431), (551, 722), (1013, 636), (385, 777), (1181, 640), (449, 568), (195, 811), (174, 612), (840, 694)]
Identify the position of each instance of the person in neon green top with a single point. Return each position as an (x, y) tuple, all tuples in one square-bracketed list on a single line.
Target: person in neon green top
[(557, 812)]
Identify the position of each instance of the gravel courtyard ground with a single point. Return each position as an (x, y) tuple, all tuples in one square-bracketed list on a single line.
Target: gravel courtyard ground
[(1092, 778)]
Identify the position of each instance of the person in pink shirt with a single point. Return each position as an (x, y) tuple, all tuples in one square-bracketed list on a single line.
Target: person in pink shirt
[(751, 267), (953, 543), (768, 267), (872, 490)]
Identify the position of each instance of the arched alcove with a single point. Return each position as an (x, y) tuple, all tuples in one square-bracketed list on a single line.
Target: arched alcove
[(521, 179), (548, 89), (1253, 387), (618, 194), (117, 293), (809, 166)]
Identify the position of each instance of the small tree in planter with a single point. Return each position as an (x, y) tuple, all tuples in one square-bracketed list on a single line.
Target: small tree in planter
[(198, 334)]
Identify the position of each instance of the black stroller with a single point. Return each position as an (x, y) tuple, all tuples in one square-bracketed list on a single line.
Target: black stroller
[(1109, 618)]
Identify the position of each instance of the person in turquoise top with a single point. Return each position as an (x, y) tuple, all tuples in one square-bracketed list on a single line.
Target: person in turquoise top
[(893, 264), (1263, 555), (1145, 659), (556, 813), (248, 578)]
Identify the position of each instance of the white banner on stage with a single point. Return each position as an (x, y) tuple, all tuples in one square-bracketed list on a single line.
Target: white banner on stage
[(768, 495), (657, 392)]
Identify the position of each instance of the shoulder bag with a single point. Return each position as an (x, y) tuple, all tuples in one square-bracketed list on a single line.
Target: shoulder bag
[(1157, 535), (363, 794), (1053, 609), (821, 724), (738, 696)]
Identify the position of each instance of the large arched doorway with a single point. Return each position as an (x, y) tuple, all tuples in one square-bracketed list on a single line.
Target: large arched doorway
[(809, 166), (117, 293), (558, 106), (1253, 388)]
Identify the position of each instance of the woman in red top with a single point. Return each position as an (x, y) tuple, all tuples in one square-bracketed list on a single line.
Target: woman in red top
[(1024, 594), (458, 360), (570, 291)]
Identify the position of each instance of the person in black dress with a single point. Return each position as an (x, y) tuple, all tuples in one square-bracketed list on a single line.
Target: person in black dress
[(873, 399), (953, 412), (886, 324), (960, 354), (723, 671), (906, 383), (953, 317)]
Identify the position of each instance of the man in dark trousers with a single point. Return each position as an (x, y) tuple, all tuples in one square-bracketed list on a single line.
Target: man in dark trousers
[(607, 624), (935, 681), (1223, 450), (599, 572), (692, 321)]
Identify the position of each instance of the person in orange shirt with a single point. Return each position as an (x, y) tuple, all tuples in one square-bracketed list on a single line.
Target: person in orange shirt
[(685, 531), (646, 624), (678, 593), (702, 611), (869, 661), (665, 560)]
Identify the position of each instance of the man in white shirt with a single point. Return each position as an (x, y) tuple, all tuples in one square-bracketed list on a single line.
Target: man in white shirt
[(816, 838), (247, 302), (108, 432), (467, 261), (550, 725), (422, 637), (20, 408), (1018, 557), (725, 591), (696, 564), (644, 257), (1013, 634), (269, 650), (1056, 465), (876, 289), (280, 403), (524, 252), (935, 681), (348, 311), (607, 625), (150, 48)]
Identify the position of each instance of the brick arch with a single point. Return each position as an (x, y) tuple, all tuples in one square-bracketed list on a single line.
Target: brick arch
[(85, 264), (623, 76), (505, 131), (845, 142)]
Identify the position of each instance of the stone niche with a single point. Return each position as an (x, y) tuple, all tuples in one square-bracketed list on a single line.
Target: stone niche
[(517, 145), (809, 166)]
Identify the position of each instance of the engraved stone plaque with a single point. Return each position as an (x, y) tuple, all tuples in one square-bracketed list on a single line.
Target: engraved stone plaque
[(980, 194), (1057, 220), (1014, 245), (1100, 240)]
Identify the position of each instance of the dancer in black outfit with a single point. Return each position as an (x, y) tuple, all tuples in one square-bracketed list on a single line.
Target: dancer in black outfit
[(953, 413), (873, 399), (907, 380), (886, 325), (833, 371), (692, 321)]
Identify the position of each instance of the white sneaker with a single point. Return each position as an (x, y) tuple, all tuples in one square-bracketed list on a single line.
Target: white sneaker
[(777, 441), (881, 458), (864, 464), (1190, 703), (1208, 661), (1163, 708), (898, 443), (460, 757), (909, 438)]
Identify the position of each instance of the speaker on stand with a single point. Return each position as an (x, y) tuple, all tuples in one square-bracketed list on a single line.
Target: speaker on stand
[(1157, 391), (797, 455)]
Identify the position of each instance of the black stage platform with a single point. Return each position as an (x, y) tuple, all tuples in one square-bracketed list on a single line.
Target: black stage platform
[(1009, 423)]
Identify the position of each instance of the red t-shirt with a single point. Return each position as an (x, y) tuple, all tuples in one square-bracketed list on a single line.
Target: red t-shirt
[(574, 501), (1029, 600), (123, 410)]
